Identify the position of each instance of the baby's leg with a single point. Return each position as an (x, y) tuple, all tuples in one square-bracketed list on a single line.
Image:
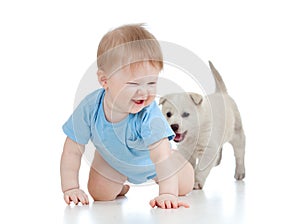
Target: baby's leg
[(105, 183)]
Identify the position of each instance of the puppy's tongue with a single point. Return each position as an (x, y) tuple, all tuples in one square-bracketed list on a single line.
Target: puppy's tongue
[(178, 137)]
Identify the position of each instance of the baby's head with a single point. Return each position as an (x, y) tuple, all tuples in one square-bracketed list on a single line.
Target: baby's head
[(129, 61), (128, 45)]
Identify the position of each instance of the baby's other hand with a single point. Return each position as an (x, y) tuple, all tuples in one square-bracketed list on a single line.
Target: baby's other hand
[(167, 201), (76, 195)]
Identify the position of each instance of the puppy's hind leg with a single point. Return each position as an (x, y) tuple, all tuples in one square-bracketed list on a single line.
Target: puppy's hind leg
[(238, 143)]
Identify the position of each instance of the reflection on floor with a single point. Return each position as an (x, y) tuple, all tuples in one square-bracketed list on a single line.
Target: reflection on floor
[(206, 206), (260, 198)]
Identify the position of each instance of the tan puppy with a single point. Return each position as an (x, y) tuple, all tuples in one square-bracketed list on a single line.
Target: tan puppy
[(202, 125)]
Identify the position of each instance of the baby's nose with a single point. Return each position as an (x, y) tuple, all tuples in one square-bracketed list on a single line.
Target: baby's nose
[(142, 91)]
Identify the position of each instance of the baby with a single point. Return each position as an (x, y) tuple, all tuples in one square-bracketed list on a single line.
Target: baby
[(126, 126)]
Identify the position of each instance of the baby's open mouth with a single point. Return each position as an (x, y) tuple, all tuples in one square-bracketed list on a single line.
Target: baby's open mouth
[(139, 102), (179, 137)]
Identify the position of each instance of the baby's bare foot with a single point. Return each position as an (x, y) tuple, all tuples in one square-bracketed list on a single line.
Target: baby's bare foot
[(124, 190)]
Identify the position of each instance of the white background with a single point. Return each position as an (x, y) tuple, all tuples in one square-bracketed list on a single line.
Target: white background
[(47, 46)]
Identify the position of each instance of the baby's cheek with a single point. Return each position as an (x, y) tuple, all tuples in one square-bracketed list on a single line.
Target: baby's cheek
[(149, 100)]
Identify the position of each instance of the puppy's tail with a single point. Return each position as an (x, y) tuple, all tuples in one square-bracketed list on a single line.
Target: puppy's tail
[(220, 85)]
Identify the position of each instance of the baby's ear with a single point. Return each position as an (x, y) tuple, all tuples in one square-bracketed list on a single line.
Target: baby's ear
[(102, 79)]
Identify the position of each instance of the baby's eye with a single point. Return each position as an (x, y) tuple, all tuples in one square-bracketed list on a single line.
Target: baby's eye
[(185, 114), (132, 83), (151, 83), (169, 114)]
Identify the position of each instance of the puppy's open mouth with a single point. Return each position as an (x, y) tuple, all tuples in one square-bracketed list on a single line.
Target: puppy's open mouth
[(179, 136)]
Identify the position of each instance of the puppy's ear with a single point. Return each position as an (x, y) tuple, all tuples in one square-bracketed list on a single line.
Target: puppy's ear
[(162, 100), (197, 98)]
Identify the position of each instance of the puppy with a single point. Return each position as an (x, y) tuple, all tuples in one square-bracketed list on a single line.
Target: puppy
[(202, 125)]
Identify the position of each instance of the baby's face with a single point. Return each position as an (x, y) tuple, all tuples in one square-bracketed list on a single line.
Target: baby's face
[(132, 88)]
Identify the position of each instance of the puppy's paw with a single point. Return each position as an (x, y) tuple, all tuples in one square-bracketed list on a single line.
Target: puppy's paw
[(239, 175), (198, 186)]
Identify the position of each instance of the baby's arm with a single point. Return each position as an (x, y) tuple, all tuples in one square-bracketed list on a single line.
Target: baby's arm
[(166, 165), (69, 170)]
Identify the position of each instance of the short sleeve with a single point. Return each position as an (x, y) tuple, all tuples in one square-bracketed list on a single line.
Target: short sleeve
[(78, 126), (154, 126)]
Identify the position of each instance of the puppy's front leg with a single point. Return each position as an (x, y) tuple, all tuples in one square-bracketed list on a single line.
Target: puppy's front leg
[(192, 161), (200, 177)]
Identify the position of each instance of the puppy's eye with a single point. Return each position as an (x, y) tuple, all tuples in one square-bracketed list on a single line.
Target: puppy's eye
[(185, 114), (169, 114)]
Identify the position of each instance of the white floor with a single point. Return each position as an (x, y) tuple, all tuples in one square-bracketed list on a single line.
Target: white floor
[(270, 192), (223, 200), (206, 207)]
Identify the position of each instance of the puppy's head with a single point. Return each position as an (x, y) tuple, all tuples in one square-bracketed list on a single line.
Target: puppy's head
[(181, 112)]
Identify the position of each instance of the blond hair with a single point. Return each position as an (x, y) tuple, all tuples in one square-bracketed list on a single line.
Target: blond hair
[(128, 45)]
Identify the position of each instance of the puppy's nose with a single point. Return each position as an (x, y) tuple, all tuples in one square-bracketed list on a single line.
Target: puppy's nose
[(175, 127)]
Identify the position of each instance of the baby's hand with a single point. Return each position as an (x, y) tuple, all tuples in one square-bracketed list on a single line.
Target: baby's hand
[(167, 201), (76, 195)]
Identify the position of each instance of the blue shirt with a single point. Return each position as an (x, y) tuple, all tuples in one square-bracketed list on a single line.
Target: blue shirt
[(123, 145)]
